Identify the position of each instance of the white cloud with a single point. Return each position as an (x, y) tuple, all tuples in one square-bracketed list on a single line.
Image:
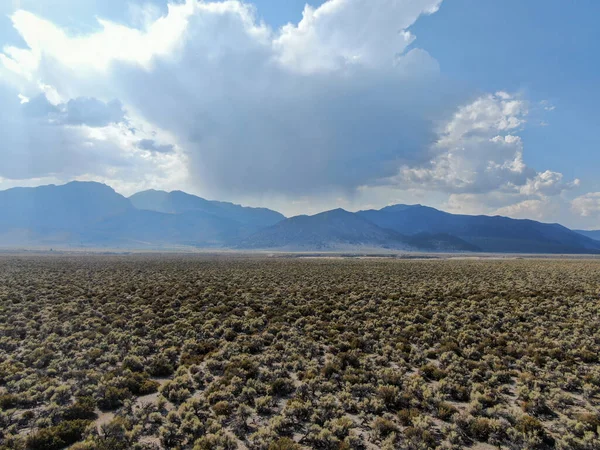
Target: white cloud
[(344, 33), (44, 141), (545, 209), (90, 111), (78, 111), (587, 205), (538, 209), (152, 146), (94, 52), (479, 155), (547, 106), (338, 106), (292, 111), (547, 183), (476, 151)]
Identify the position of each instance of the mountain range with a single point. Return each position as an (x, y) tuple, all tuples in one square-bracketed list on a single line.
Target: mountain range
[(594, 234), (89, 214)]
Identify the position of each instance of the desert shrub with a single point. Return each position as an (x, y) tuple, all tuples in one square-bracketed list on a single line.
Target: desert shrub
[(57, 437), (318, 437), (112, 397), (177, 390), (445, 411), (62, 395), (590, 422), (284, 444), (536, 405), (419, 438), (382, 427), (354, 442), (9, 401), (138, 383), (83, 408), (534, 431), (389, 395), (282, 387), (115, 435), (146, 387), (295, 347), (481, 428), (198, 376), (133, 363), (263, 404), (340, 427), (529, 425), (222, 408), (299, 410), (262, 439), (406, 416), (455, 391), (348, 359), (432, 372), (160, 366), (216, 441), (330, 369)]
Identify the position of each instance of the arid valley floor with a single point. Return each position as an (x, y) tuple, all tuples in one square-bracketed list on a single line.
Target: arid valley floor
[(222, 352)]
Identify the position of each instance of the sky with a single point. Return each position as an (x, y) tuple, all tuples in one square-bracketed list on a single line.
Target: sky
[(476, 107)]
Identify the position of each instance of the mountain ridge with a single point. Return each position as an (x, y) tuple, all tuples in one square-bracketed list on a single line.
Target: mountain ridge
[(339, 229), (177, 202), (91, 214), (490, 233), (592, 234)]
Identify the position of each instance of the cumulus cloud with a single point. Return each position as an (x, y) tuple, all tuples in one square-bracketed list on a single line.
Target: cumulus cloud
[(32, 147), (78, 111), (333, 102), (478, 159), (40, 141), (587, 205), (37, 107), (341, 103), (341, 34), (477, 150), (90, 111), (94, 52), (542, 208), (547, 183), (152, 146), (539, 209)]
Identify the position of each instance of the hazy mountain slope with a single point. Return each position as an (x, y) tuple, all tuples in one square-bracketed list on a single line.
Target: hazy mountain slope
[(491, 234), (93, 214), (57, 212), (440, 242), (592, 234), (327, 230), (339, 229), (178, 202), (150, 228)]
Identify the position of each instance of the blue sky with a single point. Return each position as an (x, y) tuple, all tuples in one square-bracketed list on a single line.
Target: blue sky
[(543, 48), (469, 106)]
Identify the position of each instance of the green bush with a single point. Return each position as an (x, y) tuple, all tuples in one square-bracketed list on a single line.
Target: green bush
[(284, 444), (83, 408), (282, 387), (9, 401), (160, 366), (113, 397), (57, 437), (383, 427)]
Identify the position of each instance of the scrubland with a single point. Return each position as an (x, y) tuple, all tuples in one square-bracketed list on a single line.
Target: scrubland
[(136, 352)]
